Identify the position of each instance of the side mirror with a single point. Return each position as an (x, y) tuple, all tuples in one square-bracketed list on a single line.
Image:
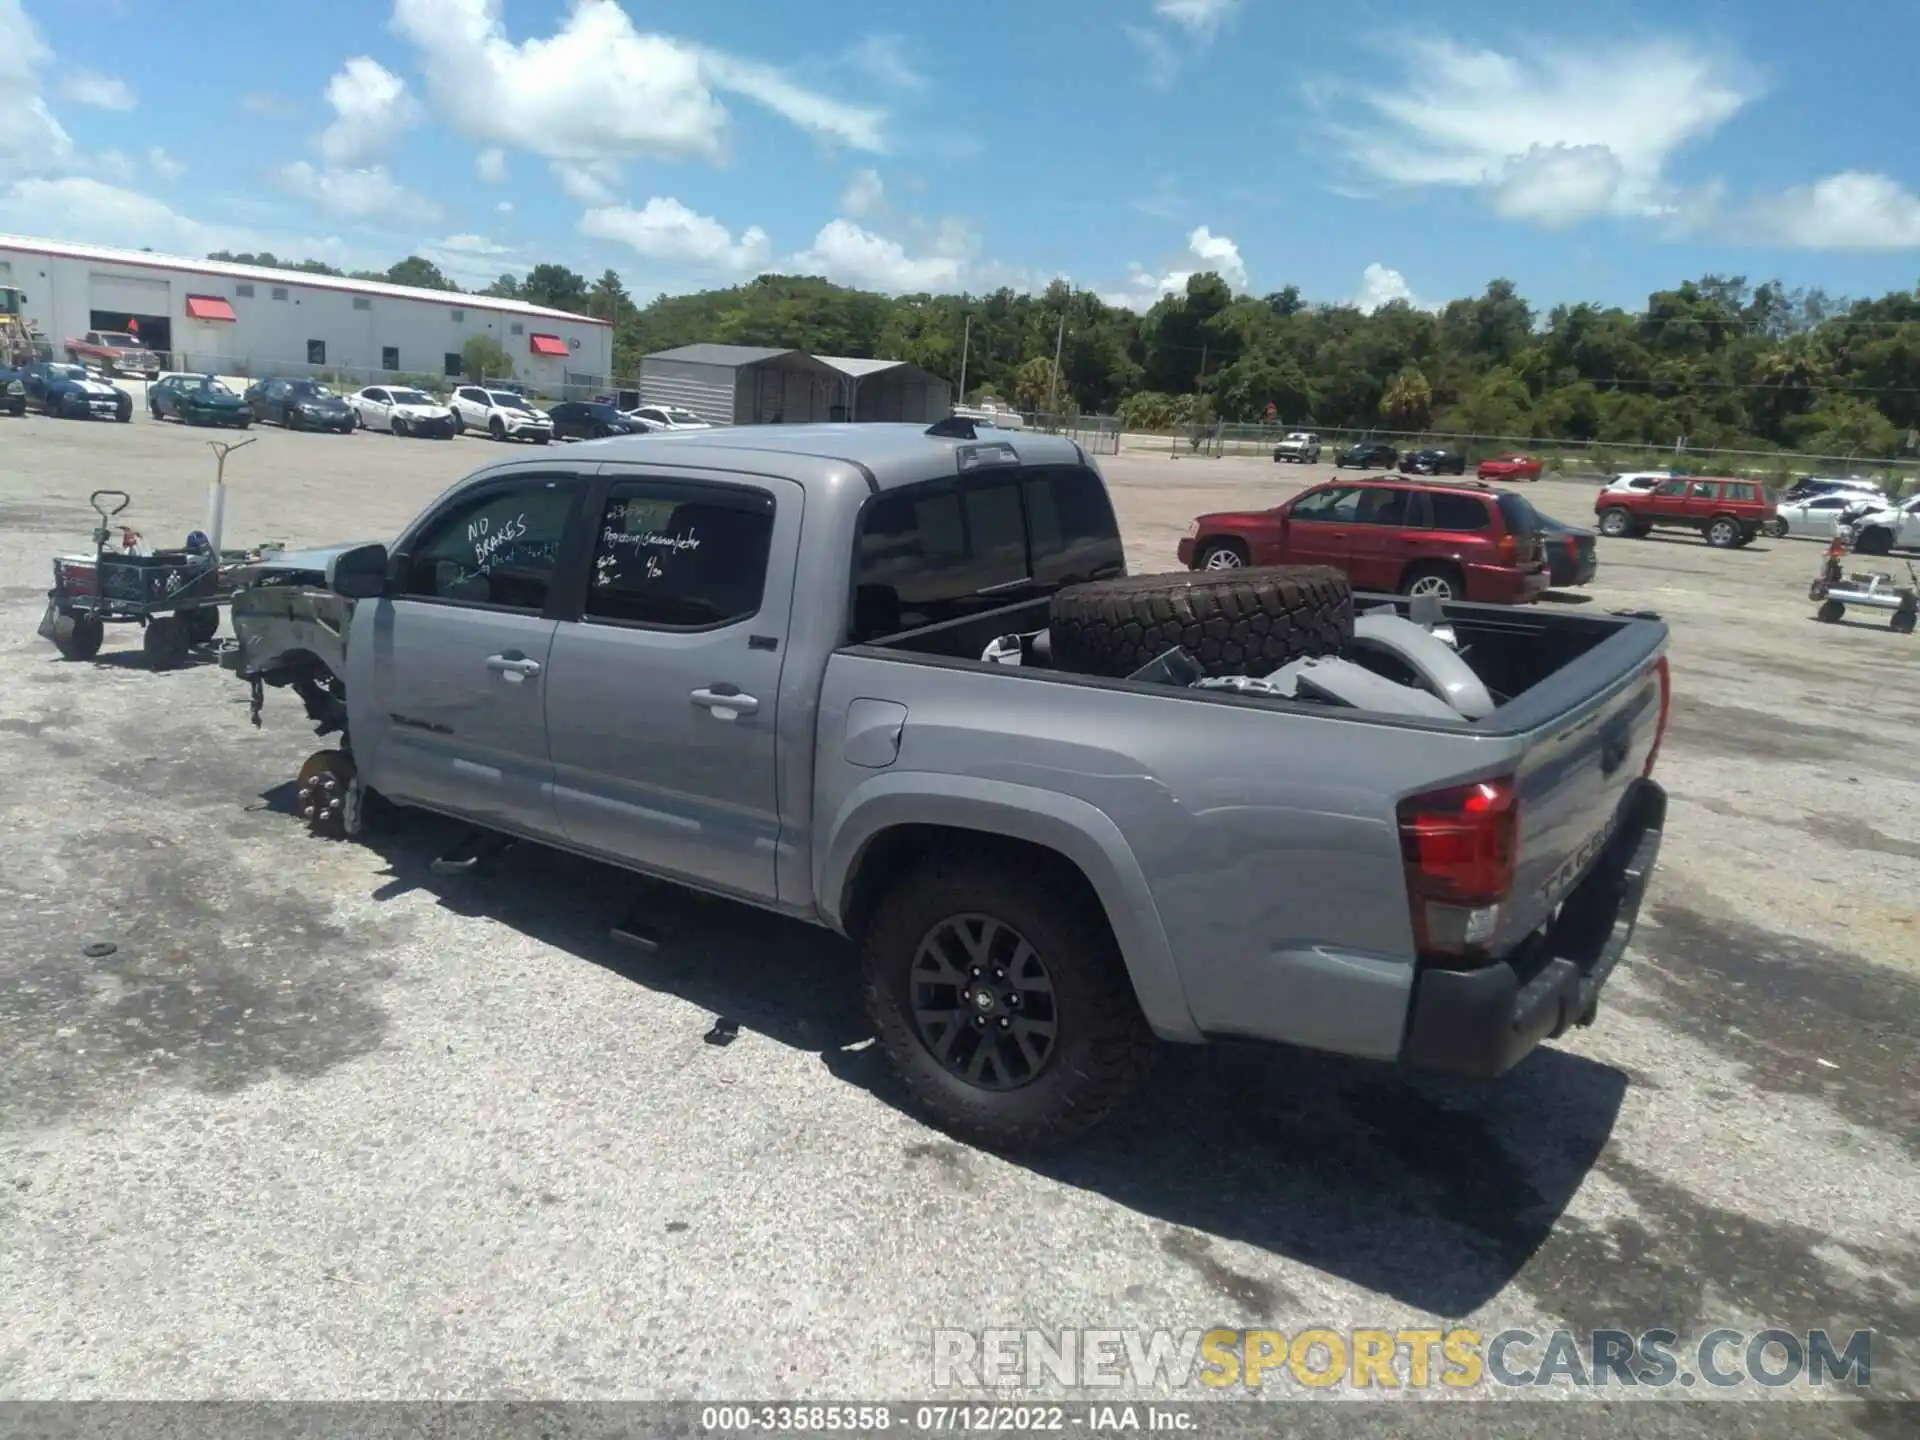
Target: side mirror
[(359, 573)]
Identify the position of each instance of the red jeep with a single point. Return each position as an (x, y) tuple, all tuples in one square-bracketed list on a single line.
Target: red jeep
[(1728, 512), (1458, 541)]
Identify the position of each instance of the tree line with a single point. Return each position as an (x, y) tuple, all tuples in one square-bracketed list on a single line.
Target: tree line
[(1722, 362)]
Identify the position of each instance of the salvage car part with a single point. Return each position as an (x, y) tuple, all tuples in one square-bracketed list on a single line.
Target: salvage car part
[(1235, 622), (1438, 669), (1332, 680)]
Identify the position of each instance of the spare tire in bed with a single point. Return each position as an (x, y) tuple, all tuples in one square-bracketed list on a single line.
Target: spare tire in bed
[(1233, 622)]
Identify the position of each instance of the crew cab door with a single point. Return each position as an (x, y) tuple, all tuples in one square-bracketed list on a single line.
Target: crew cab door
[(664, 692), (453, 663)]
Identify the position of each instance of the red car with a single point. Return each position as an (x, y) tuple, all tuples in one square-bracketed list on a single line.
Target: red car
[(1728, 513), (1509, 467), (114, 352), (1457, 541)]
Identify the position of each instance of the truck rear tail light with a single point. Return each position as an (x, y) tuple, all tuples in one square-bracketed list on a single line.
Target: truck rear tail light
[(1460, 847), (1666, 708)]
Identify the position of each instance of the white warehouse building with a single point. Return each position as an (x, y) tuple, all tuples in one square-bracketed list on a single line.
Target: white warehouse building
[(208, 315)]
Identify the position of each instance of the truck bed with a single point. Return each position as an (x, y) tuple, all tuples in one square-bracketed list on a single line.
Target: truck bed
[(1268, 832), (1537, 662)]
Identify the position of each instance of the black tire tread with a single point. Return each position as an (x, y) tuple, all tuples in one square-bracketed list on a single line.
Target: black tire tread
[(1099, 1061), (1232, 622)]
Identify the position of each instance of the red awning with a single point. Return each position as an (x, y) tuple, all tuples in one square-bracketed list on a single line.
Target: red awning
[(208, 307), (547, 344)]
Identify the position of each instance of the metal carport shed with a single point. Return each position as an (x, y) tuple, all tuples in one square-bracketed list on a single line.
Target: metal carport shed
[(762, 385)]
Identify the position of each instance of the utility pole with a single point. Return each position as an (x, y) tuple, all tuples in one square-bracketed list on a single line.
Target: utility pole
[(1059, 344), (966, 342)]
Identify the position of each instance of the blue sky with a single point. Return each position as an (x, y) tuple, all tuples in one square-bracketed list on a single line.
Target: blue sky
[(1359, 151)]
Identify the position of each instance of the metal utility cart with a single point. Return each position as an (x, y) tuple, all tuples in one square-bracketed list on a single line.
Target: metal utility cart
[(1836, 588), (173, 595)]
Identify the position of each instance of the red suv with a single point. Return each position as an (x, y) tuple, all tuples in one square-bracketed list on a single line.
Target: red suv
[(1456, 541), (1727, 512)]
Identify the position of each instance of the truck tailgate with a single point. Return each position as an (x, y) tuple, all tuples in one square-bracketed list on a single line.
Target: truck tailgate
[(1578, 771)]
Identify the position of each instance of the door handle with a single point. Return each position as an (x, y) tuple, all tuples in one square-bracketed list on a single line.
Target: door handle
[(725, 702), (515, 666)]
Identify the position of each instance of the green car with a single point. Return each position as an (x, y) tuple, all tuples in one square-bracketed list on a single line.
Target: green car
[(197, 400)]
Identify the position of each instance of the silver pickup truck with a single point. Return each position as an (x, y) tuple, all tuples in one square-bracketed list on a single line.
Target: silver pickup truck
[(768, 663)]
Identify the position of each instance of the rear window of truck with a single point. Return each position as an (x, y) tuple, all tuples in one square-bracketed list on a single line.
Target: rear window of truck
[(934, 552)]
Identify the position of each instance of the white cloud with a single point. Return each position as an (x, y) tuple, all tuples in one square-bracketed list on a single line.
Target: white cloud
[(491, 165), (667, 231), (884, 60), (1559, 185), (591, 182), (1202, 17), (1220, 255), (830, 119), (1207, 251), (89, 210), (1853, 210), (368, 193), (471, 259), (472, 245), (849, 255), (371, 108), (1380, 285), (164, 165), (1556, 135), (102, 92), (864, 194), (30, 138), (598, 90), (505, 207)]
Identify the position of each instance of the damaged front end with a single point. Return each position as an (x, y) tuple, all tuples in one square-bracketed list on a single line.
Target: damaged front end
[(292, 634)]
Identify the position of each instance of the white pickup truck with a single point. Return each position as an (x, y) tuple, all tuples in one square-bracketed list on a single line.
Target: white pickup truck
[(1302, 447)]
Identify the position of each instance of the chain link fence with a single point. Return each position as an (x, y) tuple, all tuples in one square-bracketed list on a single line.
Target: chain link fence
[(1578, 459)]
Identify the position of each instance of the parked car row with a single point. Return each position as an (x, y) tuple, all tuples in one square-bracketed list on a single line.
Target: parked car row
[(1378, 455)]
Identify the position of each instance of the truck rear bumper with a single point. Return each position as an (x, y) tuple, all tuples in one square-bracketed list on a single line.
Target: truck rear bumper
[(1483, 1022)]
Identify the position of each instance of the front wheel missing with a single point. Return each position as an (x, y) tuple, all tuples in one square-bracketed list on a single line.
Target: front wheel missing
[(322, 794)]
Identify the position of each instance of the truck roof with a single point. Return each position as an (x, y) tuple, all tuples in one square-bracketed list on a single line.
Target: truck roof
[(893, 454)]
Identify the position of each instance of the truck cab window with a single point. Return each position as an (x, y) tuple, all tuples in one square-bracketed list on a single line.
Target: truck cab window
[(680, 556), (930, 553), (1070, 526), (496, 549)]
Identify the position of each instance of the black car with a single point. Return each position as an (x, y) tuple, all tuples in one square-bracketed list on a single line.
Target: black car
[(1571, 554), (300, 405), (591, 420), (1367, 455), (1433, 462)]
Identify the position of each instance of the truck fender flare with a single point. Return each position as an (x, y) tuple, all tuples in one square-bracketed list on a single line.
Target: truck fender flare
[(1069, 827)]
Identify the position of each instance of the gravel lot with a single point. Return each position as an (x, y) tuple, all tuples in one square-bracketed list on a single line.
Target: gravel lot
[(328, 1126)]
